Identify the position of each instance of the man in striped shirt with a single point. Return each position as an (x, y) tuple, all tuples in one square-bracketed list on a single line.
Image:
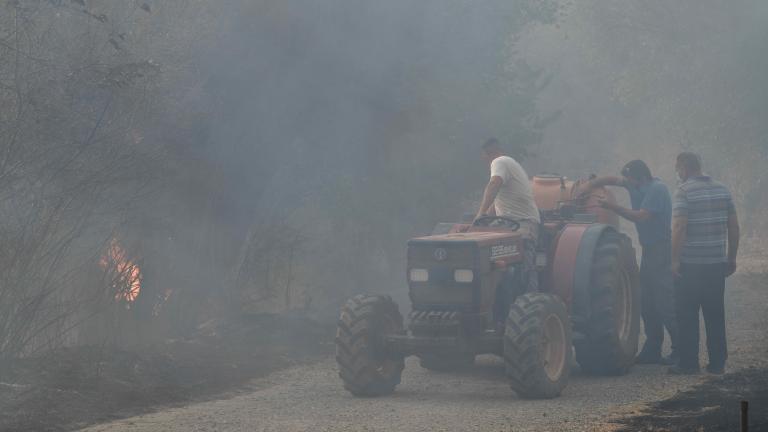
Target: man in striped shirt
[(705, 241)]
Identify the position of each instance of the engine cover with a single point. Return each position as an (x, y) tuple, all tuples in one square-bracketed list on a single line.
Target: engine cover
[(460, 271)]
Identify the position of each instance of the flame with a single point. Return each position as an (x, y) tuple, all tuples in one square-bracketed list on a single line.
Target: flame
[(126, 274)]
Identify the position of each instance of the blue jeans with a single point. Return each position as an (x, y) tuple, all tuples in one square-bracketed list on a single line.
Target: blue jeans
[(657, 284)]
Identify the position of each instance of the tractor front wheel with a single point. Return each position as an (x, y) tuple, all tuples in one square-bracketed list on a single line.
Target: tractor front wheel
[(365, 366), (537, 346)]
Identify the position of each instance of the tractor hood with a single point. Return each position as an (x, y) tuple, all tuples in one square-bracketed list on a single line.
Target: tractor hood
[(474, 248), (460, 270)]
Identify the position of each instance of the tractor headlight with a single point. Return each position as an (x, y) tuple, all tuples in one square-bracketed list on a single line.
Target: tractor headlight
[(418, 275), (463, 276)]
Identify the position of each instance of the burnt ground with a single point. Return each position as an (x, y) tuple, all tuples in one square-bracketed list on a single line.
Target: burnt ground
[(714, 405), (72, 388), (710, 406)]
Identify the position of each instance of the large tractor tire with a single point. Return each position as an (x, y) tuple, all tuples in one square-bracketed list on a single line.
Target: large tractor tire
[(450, 363), (365, 366), (611, 332), (537, 346)]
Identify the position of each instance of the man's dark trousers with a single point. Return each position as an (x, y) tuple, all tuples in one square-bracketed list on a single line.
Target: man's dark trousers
[(657, 284), (701, 287)]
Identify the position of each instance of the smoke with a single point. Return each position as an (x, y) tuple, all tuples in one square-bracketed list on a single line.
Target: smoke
[(347, 88), (647, 80), (352, 126), (287, 149), (358, 125)]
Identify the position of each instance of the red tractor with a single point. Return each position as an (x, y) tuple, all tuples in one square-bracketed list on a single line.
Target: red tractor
[(469, 295)]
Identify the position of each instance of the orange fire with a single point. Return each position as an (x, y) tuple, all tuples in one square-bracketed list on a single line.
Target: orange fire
[(126, 275)]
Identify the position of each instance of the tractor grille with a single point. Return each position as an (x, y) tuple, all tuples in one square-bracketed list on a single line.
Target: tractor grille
[(433, 322), (434, 316), (441, 260)]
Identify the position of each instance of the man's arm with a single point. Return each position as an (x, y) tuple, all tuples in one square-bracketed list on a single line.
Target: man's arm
[(679, 228), (654, 204), (597, 182), (606, 181), (491, 190), (640, 215), (734, 231)]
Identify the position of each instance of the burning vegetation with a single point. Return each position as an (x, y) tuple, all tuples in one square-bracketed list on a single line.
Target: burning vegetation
[(123, 274)]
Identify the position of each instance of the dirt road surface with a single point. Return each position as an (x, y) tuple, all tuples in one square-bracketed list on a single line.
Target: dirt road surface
[(310, 398)]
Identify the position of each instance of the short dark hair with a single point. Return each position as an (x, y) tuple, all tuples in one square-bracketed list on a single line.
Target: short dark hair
[(492, 144), (637, 170), (690, 161)]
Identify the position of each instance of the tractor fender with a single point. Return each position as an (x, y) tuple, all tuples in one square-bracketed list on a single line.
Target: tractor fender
[(572, 266)]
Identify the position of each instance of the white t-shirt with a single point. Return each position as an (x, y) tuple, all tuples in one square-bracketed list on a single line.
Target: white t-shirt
[(515, 197)]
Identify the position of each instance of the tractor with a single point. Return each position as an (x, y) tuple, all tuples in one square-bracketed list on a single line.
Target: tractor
[(467, 285)]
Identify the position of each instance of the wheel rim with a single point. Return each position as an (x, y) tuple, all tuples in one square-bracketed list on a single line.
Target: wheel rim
[(554, 347), (623, 307)]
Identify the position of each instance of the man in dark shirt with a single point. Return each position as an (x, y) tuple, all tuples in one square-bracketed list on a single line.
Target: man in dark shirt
[(652, 214)]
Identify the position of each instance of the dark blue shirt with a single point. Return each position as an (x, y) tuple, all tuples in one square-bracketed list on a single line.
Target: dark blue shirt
[(653, 197)]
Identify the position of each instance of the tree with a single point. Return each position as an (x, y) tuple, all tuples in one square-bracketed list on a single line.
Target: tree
[(71, 159)]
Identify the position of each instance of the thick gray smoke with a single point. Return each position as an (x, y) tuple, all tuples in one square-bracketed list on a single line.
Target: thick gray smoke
[(358, 123), (649, 79), (260, 155), (277, 154)]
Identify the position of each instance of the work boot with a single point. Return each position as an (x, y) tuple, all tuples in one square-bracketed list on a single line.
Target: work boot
[(715, 370)]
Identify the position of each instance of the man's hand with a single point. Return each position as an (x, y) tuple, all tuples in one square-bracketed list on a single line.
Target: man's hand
[(635, 216), (478, 216), (604, 203), (584, 189), (489, 195), (730, 268)]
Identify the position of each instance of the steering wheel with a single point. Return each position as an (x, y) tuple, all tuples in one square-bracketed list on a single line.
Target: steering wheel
[(485, 221)]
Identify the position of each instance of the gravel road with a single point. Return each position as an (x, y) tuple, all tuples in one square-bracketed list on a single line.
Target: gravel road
[(310, 398)]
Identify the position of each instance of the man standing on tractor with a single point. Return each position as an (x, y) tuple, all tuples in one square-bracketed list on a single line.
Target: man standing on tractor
[(509, 194), (652, 214), (705, 241)]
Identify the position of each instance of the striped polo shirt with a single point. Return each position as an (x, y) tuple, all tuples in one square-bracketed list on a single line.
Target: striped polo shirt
[(706, 204)]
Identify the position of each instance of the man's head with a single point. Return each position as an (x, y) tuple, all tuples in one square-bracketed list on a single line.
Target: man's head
[(492, 149), (636, 173), (688, 165)]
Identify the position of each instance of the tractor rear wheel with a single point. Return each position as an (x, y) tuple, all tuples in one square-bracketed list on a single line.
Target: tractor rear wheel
[(612, 330), (537, 346), (452, 363), (365, 366)]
